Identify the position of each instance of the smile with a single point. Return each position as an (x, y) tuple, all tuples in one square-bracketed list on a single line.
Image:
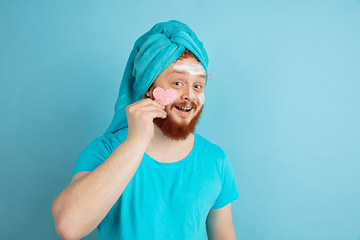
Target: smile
[(187, 109)]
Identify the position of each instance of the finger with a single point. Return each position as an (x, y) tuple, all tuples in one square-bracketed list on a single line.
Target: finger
[(143, 106), (148, 101), (149, 108), (159, 114), (154, 112), (158, 103)]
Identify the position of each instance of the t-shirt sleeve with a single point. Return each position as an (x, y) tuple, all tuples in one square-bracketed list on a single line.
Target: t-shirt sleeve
[(93, 155), (229, 191)]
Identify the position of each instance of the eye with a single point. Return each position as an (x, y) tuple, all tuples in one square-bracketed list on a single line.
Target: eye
[(178, 84), (198, 87)]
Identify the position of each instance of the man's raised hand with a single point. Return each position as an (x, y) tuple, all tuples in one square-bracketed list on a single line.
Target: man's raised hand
[(140, 117)]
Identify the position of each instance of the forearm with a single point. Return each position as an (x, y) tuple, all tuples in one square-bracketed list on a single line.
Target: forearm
[(84, 203)]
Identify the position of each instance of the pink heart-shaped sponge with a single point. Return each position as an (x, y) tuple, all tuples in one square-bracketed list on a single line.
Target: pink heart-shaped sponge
[(166, 97)]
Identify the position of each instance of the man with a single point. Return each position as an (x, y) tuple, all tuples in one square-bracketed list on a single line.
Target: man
[(151, 176)]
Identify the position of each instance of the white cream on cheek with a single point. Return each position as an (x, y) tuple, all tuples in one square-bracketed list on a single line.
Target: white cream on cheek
[(201, 98), (192, 68), (191, 93)]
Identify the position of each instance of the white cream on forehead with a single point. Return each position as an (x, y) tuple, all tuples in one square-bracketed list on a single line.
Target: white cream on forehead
[(192, 68)]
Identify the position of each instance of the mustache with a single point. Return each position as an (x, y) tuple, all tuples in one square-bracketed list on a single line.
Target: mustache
[(185, 104)]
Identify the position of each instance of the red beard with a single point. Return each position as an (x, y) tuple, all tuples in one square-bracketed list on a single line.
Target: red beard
[(175, 130)]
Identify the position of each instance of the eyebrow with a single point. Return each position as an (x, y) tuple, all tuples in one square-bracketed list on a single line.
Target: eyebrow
[(184, 72)]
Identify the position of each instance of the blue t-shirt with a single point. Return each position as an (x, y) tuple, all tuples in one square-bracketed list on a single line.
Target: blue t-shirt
[(165, 200)]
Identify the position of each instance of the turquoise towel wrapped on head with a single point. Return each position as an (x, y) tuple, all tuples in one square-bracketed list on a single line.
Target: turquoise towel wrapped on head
[(153, 52)]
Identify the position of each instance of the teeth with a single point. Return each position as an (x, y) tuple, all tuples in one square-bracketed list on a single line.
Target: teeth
[(184, 108)]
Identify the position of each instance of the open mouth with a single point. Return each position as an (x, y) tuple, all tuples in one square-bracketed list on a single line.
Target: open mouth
[(184, 109)]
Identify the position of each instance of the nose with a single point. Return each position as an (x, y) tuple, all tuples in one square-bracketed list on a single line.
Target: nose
[(188, 94)]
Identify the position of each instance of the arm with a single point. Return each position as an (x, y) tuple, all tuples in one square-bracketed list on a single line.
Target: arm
[(219, 225), (90, 195)]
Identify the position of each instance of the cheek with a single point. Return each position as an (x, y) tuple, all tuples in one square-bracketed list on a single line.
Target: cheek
[(201, 98), (179, 93)]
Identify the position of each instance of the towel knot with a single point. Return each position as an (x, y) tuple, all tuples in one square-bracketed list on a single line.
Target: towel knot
[(156, 51)]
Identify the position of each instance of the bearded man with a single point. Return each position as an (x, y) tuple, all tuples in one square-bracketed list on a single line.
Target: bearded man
[(150, 176)]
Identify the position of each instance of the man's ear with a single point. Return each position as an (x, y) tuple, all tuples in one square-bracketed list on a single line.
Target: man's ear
[(148, 93)]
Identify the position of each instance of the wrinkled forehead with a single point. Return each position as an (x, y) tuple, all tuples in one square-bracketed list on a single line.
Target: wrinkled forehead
[(188, 66), (193, 68)]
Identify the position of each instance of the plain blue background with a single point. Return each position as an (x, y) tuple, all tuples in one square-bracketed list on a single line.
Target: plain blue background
[(284, 105)]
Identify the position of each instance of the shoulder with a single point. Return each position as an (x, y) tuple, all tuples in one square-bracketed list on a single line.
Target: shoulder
[(213, 157), (110, 141), (209, 148), (120, 135), (96, 153), (103, 145)]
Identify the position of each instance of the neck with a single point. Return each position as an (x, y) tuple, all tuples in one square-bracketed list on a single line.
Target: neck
[(163, 149)]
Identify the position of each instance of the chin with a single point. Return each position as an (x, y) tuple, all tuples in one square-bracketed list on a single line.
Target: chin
[(177, 128)]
